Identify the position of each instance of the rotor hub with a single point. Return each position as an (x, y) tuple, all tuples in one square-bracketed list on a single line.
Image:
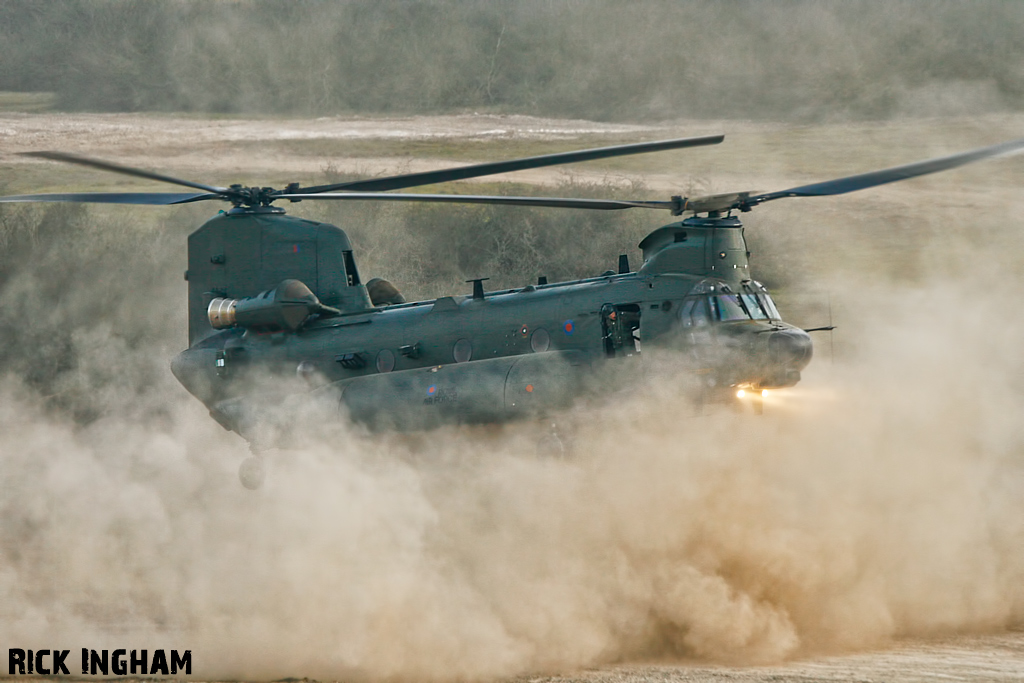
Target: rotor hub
[(251, 196)]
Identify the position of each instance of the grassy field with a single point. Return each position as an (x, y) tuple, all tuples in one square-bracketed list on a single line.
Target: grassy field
[(28, 102)]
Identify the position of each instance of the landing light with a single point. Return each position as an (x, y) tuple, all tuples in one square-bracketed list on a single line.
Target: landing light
[(741, 393)]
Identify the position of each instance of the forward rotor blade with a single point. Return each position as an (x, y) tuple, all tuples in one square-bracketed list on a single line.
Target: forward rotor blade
[(158, 198), (477, 170), (556, 202), (890, 175), (118, 168)]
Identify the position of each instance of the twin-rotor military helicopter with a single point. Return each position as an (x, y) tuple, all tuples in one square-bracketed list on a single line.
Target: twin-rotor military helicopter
[(273, 298)]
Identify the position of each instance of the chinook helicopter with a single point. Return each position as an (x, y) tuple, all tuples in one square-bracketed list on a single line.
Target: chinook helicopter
[(278, 309)]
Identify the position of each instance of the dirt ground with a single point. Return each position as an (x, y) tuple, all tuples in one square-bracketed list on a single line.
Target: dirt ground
[(976, 658), (278, 150), (967, 658), (251, 148), (268, 150)]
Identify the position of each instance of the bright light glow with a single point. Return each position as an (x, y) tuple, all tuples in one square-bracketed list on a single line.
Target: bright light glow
[(764, 392), (740, 393)]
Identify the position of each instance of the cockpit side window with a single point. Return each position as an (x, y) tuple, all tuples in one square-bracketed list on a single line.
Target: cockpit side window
[(684, 313), (769, 305), (694, 313), (699, 313)]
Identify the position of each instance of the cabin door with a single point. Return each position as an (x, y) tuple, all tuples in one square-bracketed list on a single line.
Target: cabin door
[(620, 325)]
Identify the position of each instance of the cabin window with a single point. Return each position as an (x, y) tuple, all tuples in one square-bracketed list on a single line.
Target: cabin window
[(351, 272), (306, 370), (540, 340), (385, 360), (462, 351), (727, 307)]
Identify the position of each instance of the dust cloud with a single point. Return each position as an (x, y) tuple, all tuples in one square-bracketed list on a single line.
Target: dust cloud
[(883, 497)]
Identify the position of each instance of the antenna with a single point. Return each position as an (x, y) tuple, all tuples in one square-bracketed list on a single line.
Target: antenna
[(478, 287), (831, 338)]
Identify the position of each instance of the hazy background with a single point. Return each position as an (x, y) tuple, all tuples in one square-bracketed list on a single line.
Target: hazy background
[(882, 499), (597, 59)]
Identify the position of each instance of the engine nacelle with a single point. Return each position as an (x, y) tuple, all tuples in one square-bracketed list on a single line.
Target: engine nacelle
[(383, 293), (284, 308)]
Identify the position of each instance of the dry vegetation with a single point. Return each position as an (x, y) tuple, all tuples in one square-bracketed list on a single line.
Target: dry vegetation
[(790, 59)]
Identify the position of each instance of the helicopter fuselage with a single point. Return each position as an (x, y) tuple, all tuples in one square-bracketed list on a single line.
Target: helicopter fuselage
[(503, 355)]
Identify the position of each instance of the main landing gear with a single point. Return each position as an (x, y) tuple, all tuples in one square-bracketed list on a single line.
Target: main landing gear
[(556, 444), (252, 472)]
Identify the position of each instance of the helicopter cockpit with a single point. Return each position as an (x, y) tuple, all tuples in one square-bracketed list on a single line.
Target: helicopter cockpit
[(709, 303)]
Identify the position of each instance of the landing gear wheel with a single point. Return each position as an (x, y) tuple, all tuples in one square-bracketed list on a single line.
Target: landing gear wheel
[(550, 446), (758, 405), (252, 473), (557, 444)]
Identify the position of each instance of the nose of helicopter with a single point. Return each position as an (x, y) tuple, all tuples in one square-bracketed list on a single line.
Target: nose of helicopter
[(791, 348)]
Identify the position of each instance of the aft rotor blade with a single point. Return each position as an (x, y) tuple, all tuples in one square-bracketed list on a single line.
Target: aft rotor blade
[(158, 198), (477, 170), (555, 202), (118, 168), (890, 175)]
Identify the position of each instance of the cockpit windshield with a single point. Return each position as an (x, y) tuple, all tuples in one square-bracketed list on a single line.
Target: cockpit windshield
[(727, 307), (753, 307), (752, 303), (730, 307)]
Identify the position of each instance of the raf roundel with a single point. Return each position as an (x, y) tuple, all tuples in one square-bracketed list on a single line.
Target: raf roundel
[(568, 326), (431, 390)]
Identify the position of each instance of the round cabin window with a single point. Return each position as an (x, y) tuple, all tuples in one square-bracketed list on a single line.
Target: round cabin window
[(306, 370), (463, 351), (385, 361), (540, 341)]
